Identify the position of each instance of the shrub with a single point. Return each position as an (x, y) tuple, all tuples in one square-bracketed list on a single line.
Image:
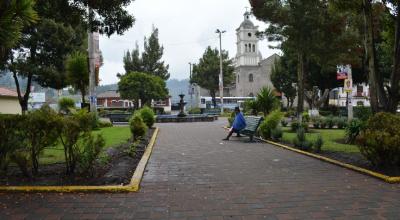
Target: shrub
[(137, 126), (363, 113), (270, 122), (341, 122), (353, 129), (42, 129), (284, 123), (306, 117), (104, 124), (295, 125), (316, 122), (12, 141), (324, 123), (70, 133), (276, 134), (194, 111), (380, 141), (318, 144), (330, 122), (65, 105), (147, 115), (300, 141), (90, 151), (290, 113)]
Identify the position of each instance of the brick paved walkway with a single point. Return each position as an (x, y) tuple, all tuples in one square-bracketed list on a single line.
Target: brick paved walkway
[(191, 175)]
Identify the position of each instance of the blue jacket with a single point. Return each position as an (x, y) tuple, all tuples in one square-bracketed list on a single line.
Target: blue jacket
[(239, 123)]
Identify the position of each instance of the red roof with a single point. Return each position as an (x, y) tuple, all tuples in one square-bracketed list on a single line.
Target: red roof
[(7, 92)]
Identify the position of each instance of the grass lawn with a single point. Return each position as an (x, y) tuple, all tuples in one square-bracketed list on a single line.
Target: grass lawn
[(112, 136), (328, 135)]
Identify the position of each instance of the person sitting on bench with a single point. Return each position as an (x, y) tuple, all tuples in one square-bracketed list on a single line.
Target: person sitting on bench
[(238, 124)]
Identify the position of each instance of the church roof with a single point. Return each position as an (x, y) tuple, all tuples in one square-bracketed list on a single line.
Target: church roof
[(247, 24)]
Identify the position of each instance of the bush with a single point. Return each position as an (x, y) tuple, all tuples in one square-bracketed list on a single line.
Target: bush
[(147, 115), (70, 133), (137, 126), (318, 144), (12, 141), (295, 125), (284, 123), (306, 117), (290, 113), (353, 129), (194, 111), (341, 122), (276, 134), (316, 122), (65, 105), (330, 122), (300, 141), (324, 123), (363, 113), (380, 141), (270, 122), (42, 129), (104, 124), (90, 151)]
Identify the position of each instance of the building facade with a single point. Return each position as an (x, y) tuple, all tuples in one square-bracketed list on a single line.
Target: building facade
[(9, 103)]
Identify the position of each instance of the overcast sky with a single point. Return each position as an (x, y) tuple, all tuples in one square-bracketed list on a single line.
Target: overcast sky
[(186, 28)]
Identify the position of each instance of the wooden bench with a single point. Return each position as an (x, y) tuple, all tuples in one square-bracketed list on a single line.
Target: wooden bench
[(252, 124), (119, 117)]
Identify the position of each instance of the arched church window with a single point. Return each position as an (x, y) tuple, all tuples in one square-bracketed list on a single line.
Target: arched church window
[(254, 48), (251, 78), (249, 34), (245, 47), (238, 78)]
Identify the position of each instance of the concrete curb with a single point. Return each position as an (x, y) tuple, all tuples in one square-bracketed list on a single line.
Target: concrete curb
[(133, 186)]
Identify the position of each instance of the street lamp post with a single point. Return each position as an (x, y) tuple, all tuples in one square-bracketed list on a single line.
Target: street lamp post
[(221, 79), (190, 85)]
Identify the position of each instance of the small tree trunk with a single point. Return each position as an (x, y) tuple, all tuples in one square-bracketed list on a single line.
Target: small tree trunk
[(394, 94), (214, 101), (300, 85), (370, 54)]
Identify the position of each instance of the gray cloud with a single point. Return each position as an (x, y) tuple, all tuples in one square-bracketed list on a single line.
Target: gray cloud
[(186, 28)]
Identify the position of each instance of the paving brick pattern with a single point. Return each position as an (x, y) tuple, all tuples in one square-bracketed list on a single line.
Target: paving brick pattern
[(192, 174)]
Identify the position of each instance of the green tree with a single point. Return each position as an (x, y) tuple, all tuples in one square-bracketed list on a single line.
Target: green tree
[(150, 60), (14, 16), (266, 101), (283, 81), (78, 72), (141, 86), (206, 72), (132, 61)]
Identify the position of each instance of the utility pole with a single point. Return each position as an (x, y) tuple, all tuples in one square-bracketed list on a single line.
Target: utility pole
[(221, 76), (92, 60), (190, 85), (350, 94)]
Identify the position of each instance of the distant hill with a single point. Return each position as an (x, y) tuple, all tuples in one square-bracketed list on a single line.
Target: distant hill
[(177, 87)]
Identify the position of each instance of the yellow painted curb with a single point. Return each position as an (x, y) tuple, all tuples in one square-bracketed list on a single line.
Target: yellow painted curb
[(380, 176), (133, 186)]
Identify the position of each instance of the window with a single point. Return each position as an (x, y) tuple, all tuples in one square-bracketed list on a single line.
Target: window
[(238, 78), (251, 94), (251, 78), (254, 48), (249, 34), (245, 47)]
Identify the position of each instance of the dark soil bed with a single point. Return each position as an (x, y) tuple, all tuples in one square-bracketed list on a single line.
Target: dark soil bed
[(118, 170), (355, 159)]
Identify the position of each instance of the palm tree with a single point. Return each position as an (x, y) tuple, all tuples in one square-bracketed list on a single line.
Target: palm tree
[(266, 100), (14, 15), (78, 73)]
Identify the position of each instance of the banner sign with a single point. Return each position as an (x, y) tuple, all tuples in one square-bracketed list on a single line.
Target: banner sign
[(342, 72), (348, 85)]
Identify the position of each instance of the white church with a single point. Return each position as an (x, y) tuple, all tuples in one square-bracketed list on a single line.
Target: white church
[(252, 72)]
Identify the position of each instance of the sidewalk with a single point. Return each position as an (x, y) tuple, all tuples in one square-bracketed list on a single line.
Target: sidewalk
[(192, 174)]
